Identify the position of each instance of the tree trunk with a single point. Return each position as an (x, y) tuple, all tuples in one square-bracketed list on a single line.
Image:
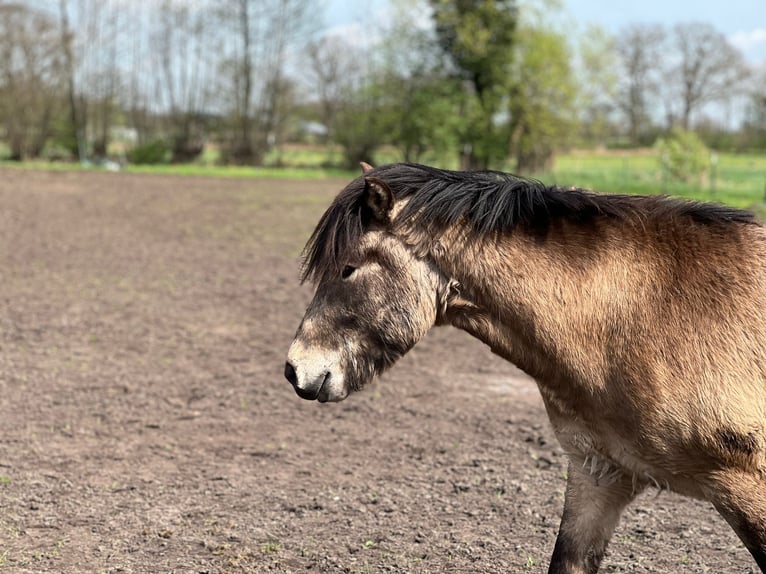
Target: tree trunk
[(66, 44)]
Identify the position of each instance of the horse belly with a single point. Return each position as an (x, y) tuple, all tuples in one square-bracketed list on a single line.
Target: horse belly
[(652, 452), (607, 458)]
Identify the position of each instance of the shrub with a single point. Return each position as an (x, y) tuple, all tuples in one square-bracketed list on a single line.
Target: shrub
[(682, 154), (150, 153)]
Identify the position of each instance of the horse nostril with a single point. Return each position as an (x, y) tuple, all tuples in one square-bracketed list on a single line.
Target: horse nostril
[(290, 374)]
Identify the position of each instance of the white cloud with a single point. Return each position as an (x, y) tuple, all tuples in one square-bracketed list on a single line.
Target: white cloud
[(750, 41), (355, 34)]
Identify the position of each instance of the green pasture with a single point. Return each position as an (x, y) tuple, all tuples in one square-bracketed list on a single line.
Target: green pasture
[(735, 179)]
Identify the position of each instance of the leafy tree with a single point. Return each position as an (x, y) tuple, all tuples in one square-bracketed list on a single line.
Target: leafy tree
[(359, 124), (478, 37), (422, 115), (421, 101), (542, 102)]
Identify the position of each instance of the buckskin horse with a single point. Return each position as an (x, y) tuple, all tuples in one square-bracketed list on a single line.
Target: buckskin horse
[(641, 318)]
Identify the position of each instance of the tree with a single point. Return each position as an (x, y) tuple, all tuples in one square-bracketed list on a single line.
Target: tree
[(754, 124), (360, 120), (707, 68), (91, 47), (142, 84), (420, 114), (74, 136), (542, 102), (597, 90), (359, 124), (239, 147), (329, 75), (104, 80), (266, 31), (421, 101), (183, 42), (30, 78), (640, 48), (478, 37), (93, 73)]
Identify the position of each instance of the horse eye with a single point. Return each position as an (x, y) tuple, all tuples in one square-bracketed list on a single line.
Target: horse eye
[(348, 270)]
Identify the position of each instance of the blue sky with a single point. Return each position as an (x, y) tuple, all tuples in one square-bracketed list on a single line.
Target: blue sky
[(742, 21)]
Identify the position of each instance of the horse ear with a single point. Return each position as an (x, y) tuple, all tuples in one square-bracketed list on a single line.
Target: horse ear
[(379, 198), (366, 167)]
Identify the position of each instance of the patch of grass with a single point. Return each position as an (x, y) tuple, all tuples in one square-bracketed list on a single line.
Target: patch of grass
[(201, 170), (270, 547), (5, 480), (42, 165), (241, 171), (368, 544)]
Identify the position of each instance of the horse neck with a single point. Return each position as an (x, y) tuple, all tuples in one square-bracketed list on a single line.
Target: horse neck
[(524, 296)]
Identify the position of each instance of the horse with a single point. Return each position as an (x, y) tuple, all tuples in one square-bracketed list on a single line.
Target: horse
[(642, 320)]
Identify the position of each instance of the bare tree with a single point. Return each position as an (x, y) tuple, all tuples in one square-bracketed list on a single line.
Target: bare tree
[(598, 86), (640, 48), (267, 32), (330, 74), (707, 68), (184, 44), (76, 141), (242, 146), (137, 97), (754, 122), (90, 35), (30, 77), (104, 80)]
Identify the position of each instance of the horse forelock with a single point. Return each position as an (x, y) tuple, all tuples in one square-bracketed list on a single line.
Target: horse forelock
[(339, 228), (486, 202)]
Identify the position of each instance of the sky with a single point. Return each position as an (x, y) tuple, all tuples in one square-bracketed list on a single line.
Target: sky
[(743, 22)]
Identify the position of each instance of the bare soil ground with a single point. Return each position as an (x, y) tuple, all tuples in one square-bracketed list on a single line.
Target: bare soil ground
[(145, 425)]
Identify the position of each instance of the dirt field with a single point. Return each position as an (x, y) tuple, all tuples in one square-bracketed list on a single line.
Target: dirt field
[(145, 425)]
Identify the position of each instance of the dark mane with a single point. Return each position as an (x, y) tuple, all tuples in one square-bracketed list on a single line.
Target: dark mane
[(490, 202)]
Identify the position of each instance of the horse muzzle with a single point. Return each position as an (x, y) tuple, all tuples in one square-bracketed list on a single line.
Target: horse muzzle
[(314, 376)]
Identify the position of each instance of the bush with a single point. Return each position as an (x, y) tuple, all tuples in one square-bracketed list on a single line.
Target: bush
[(151, 153), (683, 156)]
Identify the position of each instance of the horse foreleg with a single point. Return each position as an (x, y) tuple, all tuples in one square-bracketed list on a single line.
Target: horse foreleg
[(740, 497), (592, 507)]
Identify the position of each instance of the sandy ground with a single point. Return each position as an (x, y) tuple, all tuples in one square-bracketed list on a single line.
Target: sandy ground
[(145, 425)]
